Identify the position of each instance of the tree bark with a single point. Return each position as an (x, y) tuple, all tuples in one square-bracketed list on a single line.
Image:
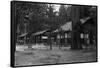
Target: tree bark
[(75, 15)]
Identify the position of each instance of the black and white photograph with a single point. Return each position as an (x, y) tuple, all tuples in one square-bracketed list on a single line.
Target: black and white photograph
[(52, 33)]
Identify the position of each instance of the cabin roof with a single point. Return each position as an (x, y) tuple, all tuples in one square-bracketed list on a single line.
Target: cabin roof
[(39, 33), (22, 35)]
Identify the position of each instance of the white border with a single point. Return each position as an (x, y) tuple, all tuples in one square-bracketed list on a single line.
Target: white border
[(5, 33)]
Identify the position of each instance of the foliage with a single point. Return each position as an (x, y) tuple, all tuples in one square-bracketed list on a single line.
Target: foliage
[(38, 16)]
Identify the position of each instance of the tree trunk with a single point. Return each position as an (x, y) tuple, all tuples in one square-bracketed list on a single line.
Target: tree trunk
[(75, 13), (50, 41)]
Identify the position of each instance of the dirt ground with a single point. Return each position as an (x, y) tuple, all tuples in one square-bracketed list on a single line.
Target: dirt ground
[(54, 56)]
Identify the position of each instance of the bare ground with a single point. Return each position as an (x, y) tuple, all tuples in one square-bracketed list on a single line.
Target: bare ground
[(54, 56)]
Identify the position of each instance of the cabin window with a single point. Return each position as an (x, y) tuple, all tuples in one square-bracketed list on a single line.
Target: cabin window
[(44, 37), (82, 35), (66, 35), (86, 36), (58, 36)]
